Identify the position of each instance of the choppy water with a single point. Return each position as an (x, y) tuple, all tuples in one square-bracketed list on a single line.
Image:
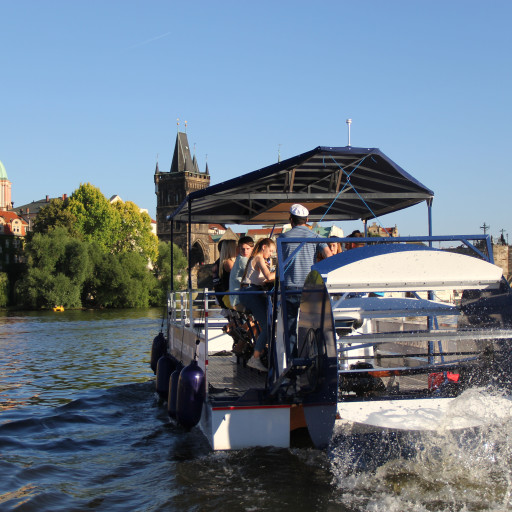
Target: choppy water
[(82, 429)]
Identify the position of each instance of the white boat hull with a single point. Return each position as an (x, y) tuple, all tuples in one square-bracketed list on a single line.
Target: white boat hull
[(235, 428)]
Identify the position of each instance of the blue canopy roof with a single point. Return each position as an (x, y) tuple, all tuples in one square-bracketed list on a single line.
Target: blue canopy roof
[(345, 183)]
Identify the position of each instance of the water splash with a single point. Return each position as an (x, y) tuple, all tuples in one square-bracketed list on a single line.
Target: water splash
[(443, 470)]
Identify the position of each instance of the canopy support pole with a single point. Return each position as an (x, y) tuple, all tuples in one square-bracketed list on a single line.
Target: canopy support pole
[(430, 319), (189, 244), (429, 209), (172, 255)]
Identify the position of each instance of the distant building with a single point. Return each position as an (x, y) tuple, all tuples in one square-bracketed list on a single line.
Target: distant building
[(5, 189), (12, 224), (265, 232), (12, 227), (216, 229), (171, 189), (375, 230)]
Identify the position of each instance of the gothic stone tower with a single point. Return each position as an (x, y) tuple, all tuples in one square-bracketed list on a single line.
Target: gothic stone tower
[(171, 188)]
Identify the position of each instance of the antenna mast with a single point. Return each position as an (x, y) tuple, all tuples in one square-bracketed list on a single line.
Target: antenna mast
[(485, 227), (349, 122)]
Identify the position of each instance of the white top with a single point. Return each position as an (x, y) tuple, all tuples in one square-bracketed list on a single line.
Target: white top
[(253, 276)]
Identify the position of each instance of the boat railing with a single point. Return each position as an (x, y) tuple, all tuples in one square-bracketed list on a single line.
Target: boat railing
[(199, 304), (191, 308), (414, 336), (187, 305)]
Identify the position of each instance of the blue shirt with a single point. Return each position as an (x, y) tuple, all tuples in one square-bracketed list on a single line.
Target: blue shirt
[(235, 278), (298, 269)]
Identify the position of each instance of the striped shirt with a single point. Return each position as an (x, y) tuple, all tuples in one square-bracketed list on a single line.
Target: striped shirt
[(298, 269)]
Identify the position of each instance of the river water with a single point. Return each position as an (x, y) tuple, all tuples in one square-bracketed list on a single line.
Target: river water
[(82, 429)]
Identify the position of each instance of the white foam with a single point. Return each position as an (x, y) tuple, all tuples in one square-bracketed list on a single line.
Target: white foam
[(444, 469), (471, 409)]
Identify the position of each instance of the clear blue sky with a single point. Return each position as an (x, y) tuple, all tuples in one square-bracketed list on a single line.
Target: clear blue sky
[(90, 92)]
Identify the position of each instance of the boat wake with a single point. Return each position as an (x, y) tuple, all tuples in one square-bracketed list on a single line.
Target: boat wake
[(440, 470)]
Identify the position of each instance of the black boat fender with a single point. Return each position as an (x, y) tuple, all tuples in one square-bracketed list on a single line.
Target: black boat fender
[(158, 349), (173, 390), (191, 395), (164, 368)]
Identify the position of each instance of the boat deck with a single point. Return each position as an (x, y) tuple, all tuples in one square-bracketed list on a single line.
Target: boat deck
[(229, 378)]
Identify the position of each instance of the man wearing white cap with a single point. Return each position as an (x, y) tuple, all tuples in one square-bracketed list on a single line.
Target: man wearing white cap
[(298, 269)]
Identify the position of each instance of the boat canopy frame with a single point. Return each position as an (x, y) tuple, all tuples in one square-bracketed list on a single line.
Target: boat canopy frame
[(334, 183)]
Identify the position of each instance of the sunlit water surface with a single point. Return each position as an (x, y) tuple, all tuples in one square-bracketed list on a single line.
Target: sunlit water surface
[(82, 429)]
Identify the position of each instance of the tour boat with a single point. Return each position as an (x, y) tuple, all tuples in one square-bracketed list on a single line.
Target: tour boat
[(390, 334)]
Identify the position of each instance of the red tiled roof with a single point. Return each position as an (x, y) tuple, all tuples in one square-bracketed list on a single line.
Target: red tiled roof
[(264, 231), (9, 216)]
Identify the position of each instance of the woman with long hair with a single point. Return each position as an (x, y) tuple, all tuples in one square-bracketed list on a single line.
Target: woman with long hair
[(222, 270), (256, 275), (227, 258)]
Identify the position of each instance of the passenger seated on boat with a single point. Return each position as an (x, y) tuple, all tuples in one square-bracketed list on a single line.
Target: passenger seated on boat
[(298, 269), (244, 330), (222, 269), (335, 248), (352, 245), (245, 247), (256, 275)]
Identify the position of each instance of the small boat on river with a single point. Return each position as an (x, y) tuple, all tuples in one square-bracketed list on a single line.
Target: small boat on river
[(389, 333)]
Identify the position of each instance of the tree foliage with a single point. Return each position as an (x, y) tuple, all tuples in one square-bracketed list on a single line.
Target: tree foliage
[(96, 219), (62, 270), (4, 289), (123, 281), (55, 214), (134, 231), (57, 266), (163, 266), (85, 251)]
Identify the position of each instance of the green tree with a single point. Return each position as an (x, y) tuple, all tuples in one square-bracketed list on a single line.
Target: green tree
[(124, 281), (55, 214), (96, 219), (87, 251), (93, 283), (163, 269), (57, 266), (4, 289), (134, 231)]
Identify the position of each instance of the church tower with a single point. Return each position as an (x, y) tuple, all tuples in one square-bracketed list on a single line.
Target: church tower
[(171, 188), (5, 189)]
